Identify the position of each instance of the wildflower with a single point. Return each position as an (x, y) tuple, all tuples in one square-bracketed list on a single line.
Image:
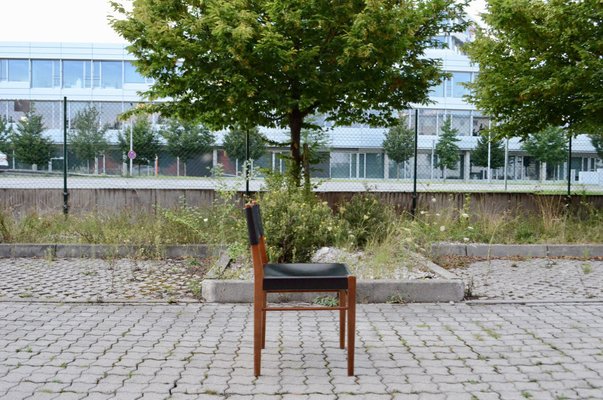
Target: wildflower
[(470, 228), (442, 228), (465, 215), (437, 214), (465, 239), (365, 217), (433, 200), (204, 219), (423, 212)]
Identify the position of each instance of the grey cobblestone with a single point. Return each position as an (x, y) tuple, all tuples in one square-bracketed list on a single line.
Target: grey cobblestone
[(97, 279), (419, 351), (535, 279)]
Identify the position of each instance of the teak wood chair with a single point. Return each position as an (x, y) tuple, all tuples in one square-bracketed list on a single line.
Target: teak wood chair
[(302, 277)]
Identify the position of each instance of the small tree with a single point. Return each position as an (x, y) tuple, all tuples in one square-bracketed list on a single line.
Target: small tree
[(145, 141), (29, 143), (479, 156), (597, 142), (5, 135), (186, 140), (88, 137), (235, 146), (446, 150), (399, 143), (547, 146)]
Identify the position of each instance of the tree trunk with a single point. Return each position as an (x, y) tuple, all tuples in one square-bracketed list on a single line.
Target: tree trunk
[(296, 120), (306, 165)]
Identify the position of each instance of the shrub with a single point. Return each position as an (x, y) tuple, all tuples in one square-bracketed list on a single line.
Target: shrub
[(366, 219), (296, 223)]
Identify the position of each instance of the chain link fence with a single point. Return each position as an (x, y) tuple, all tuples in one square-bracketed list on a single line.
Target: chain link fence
[(150, 152)]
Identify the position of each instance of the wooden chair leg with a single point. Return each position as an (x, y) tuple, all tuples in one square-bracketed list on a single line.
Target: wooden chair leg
[(264, 303), (351, 322), (257, 332), (342, 303)]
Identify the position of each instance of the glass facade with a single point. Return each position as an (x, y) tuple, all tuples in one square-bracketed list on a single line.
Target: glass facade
[(70, 74)]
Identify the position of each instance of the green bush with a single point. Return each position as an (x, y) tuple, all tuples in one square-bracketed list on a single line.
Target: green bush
[(366, 219), (296, 223)]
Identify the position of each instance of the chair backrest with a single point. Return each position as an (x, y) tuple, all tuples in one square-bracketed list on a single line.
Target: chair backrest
[(255, 231)]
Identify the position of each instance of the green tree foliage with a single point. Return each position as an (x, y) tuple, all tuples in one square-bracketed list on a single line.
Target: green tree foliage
[(87, 137), (597, 142), (276, 62), (186, 139), (479, 156), (29, 142), (145, 141), (235, 143), (540, 65), (5, 135), (446, 150), (399, 143), (548, 145)]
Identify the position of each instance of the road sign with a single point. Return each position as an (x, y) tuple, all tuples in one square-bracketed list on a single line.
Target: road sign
[(131, 154)]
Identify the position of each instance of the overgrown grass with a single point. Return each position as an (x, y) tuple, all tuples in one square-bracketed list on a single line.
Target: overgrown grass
[(360, 223)]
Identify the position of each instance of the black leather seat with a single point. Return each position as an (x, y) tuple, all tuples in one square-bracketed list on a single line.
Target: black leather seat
[(328, 276)]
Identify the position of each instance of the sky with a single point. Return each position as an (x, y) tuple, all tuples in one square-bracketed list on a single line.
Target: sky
[(73, 21)]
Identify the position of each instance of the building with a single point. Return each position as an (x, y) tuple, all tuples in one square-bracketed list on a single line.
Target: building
[(40, 75)]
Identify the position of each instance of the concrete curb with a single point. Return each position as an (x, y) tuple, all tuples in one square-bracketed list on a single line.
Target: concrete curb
[(105, 251), (446, 288), (376, 291), (517, 250)]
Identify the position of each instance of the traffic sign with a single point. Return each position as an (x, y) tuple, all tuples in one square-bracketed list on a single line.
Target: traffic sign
[(131, 154)]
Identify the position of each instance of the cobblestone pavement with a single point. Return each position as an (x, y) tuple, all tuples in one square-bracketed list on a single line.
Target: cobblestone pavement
[(97, 280), (535, 279), (203, 351)]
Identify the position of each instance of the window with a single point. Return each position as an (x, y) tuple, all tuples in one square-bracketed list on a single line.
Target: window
[(3, 70), (131, 75), (479, 123), (340, 165), (428, 122), (461, 121), (459, 79), (108, 74), (77, 74), (14, 70), (374, 165), (45, 74), (437, 90)]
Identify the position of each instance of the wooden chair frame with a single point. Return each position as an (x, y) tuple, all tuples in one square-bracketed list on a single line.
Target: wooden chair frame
[(346, 297)]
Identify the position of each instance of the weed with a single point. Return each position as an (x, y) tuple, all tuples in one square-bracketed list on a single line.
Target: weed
[(63, 365), (526, 395), (194, 286), (490, 332), (395, 299), (587, 268), (326, 301)]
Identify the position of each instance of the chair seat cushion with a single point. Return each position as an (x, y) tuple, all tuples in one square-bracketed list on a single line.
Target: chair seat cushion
[(306, 276)]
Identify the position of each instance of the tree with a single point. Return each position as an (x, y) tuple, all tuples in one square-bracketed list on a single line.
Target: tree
[(277, 62), (29, 143), (540, 65), (5, 135), (186, 140), (145, 141), (235, 145), (479, 156), (446, 150), (597, 142), (87, 137), (547, 146), (399, 143)]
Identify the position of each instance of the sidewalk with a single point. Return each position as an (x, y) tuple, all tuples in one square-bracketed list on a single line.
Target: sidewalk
[(537, 350)]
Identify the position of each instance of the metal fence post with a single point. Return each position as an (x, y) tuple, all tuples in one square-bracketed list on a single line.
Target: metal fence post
[(65, 192), (414, 184)]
